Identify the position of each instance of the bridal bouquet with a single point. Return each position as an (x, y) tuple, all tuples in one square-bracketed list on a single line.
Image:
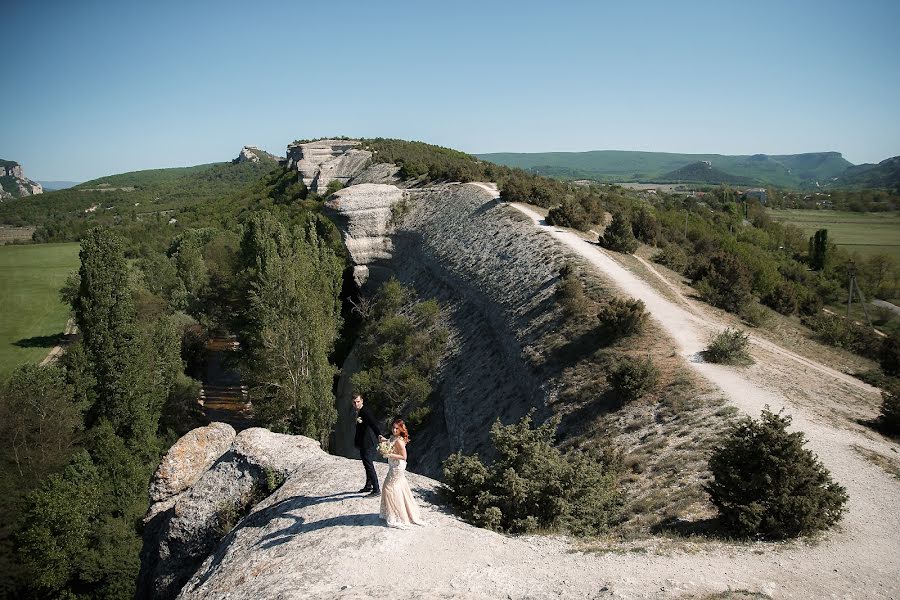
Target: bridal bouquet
[(385, 447)]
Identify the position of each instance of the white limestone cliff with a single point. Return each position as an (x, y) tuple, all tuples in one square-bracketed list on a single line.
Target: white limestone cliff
[(324, 161)]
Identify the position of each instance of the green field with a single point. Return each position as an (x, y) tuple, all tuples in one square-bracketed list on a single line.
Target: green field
[(865, 233), (32, 313)]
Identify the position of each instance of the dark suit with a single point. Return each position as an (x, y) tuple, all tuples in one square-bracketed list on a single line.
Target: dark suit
[(366, 439)]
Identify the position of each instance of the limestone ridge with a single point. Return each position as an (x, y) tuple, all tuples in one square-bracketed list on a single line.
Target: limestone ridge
[(14, 184), (324, 161), (493, 276), (254, 155), (207, 473)]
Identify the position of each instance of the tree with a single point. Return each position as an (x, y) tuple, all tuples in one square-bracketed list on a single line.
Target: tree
[(618, 235), (290, 324), (400, 346), (818, 250), (767, 485)]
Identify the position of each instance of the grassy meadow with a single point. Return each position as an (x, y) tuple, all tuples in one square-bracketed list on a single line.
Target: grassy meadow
[(32, 314), (864, 233)]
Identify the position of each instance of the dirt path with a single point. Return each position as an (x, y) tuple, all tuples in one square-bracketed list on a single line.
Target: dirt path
[(861, 558), (56, 351)]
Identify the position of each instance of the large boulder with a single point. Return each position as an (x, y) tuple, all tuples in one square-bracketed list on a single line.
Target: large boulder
[(189, 458), (182, 530)]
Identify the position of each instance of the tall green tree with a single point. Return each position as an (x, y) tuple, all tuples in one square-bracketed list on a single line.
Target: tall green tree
[(818, 249), (289, 325)]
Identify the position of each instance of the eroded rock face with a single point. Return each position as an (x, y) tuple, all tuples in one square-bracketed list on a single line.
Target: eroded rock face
[(182, 530), (20, 186), (247, 154), (324, 161), (494, 276), (364, 213), (189, 458)]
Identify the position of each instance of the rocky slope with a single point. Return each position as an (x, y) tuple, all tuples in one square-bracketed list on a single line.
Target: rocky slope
[(494, 281), (14, 184)]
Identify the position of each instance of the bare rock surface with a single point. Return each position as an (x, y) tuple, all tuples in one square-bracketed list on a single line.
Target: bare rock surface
[(377, 173), (324, 161), (363, 213), (189, 458), (315, 537), (17, 185), (180, 531), (494, 276)]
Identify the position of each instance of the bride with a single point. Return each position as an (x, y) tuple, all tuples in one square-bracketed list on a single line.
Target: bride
[(397, 505)]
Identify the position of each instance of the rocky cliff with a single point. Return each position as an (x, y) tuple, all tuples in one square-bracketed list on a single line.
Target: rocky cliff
[(14, 184), (324, 161), (494, 280)]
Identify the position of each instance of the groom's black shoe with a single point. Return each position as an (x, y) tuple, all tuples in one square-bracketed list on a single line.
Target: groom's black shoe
[(374, 493), (364, 490)]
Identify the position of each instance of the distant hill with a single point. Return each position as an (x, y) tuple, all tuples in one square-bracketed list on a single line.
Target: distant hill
[(49, 186), (885, 174), (789, 170), (703, 172)]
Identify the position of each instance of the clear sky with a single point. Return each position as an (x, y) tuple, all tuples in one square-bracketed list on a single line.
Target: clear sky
[(95, 88)]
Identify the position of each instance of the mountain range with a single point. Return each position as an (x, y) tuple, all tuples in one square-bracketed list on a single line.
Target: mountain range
[(809, 170)]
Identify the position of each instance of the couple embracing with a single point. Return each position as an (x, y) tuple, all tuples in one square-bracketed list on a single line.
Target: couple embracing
[(398, 508)]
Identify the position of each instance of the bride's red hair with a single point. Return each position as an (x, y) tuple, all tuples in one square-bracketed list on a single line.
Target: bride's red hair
[(403, 431)]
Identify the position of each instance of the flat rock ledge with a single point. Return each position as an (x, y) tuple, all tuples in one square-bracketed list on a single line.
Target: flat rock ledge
[(181, 530)]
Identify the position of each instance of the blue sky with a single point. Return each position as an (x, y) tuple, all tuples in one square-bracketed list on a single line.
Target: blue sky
[(95, 88)]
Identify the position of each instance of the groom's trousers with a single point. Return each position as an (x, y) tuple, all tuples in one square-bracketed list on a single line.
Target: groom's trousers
[(368, 458)]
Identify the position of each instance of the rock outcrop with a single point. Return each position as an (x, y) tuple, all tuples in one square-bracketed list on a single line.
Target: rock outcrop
[(14, 184), (254, 155), (364, 213), (494, 276), (324, 161), (207, 478)]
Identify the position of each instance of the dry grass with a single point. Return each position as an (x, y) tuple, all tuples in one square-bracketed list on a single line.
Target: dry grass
[(891, 466)]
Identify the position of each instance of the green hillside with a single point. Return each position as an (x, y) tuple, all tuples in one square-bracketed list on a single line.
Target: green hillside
[(703, 172), (791, 170), (62, 215), (885, 174)]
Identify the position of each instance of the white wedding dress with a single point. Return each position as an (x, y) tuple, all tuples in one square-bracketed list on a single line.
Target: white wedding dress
[(398, 508)]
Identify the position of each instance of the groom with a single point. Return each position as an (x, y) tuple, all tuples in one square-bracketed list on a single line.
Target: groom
[(366, 438)]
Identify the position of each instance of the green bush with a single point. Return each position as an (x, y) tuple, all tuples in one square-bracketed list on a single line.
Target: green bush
[(672, 256), (842, 333), (890, 406), (632, 378), (725, 282), (532, 486), (766, 485), (618, 235), (570, 293), (889, 355), (728, 347), (569, 214), (622, 317), (784, 298), (754, 314), (645, 227)]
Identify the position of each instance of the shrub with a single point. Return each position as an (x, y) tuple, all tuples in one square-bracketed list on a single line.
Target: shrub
[(754, 314), (784, 298), (890, 406), (672, 256), (728, 347), (632, 378), (725, 282), (622, 317), (842, 333), (618, 235), (569, 214), (645, 227), (533, 486), (569, 292), (889, 355), (767, 485)]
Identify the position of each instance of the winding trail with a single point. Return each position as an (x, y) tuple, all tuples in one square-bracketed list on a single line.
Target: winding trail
[(862, 557)]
